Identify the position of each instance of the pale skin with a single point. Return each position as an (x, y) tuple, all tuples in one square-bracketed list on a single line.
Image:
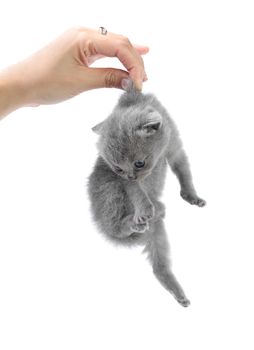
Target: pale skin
[(61, 70)]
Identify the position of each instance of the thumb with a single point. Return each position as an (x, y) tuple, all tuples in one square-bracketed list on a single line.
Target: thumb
[(95, 78)]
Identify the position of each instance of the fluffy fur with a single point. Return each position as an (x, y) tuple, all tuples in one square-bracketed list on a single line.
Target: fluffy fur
[(137, 142)]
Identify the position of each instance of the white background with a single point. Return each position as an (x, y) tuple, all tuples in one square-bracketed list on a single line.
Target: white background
[(62, 286)]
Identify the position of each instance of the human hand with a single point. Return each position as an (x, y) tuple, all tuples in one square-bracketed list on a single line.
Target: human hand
[(61, 70)]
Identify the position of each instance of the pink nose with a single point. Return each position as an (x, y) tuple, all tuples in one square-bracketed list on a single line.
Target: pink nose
[(132, 177)]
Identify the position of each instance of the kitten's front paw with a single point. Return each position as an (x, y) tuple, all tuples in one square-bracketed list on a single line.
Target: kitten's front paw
[(193, 199), (140, 228), (144, 215)]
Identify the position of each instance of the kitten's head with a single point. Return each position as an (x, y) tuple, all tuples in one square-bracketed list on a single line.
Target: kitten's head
[(132, 139)]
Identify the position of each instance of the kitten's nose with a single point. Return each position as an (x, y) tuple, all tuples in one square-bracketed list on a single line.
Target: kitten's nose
[(132, 177)]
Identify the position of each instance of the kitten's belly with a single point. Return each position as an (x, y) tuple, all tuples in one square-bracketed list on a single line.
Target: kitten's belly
[(154, 183)]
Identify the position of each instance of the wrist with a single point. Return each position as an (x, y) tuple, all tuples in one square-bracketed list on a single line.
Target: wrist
[(13, 94)]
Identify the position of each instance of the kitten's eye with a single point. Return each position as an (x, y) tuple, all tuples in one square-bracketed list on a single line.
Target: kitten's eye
[(119, 170), (139, 164)]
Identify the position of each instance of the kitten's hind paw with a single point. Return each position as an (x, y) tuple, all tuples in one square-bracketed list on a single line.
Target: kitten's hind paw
[(193, 199), (183, 301), (140, 228), (142, 216)]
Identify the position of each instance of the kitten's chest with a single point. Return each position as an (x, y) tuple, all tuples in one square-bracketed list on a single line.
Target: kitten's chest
[(154, 183)]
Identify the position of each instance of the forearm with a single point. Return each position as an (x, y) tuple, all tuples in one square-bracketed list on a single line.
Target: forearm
[(12, 93)]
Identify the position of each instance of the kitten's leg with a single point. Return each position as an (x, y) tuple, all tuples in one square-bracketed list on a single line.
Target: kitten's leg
[(144, 208), (157, 248), (159, 209), (128, 226), (180, 166)]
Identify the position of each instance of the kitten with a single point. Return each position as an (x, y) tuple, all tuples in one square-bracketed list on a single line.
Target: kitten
[(136, 143)]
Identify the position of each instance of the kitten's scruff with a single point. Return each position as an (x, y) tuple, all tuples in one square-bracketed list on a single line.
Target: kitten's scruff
[(136, 143)]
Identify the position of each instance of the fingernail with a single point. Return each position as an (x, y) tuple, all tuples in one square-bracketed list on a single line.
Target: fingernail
[(138, 85), (126, 84)]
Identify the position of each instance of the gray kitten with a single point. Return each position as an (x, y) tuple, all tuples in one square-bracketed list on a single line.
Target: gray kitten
[(136, 143)]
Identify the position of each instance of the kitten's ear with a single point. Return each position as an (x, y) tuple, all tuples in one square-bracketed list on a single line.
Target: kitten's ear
[(152, 123), (98, 128)]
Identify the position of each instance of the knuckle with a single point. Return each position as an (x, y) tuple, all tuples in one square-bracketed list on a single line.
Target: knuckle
[(77, 33), (110, 79), (124, 41), (79, 29), (75, 30), (91, 48)]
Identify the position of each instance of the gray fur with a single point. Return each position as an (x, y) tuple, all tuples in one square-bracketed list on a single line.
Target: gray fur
[(125, 204)]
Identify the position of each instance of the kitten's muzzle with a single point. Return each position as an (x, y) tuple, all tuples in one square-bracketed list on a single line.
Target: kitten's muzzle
[(132, 177)]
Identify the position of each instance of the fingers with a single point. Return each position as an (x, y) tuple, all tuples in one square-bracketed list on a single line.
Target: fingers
[(133, 63), (95, 78), (113, 45), (142, 50)]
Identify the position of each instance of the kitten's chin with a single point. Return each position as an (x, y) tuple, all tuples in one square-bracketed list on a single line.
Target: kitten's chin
[(143, 175)]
